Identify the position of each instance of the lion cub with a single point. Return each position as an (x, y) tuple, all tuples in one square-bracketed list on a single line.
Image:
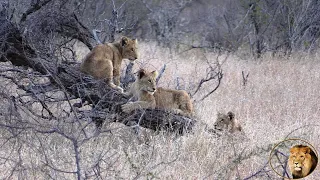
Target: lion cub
[(104, 60), (149, 96), (227, 122)]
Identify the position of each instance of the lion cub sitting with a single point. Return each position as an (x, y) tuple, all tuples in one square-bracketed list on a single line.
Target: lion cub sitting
[(104, 60), (149, 96)]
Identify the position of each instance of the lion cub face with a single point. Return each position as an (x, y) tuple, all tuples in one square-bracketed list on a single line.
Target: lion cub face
[(129, 48), (147, 81), (227, 121)]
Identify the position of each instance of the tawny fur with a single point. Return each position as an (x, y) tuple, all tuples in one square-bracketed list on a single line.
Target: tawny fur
[(302, 161), (104, 60), (149, 96), (227, 122)]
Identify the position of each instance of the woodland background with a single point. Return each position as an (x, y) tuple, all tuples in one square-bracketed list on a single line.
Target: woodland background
[(256, 58)]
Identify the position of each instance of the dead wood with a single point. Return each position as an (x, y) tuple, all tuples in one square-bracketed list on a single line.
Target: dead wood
[(69, 79)]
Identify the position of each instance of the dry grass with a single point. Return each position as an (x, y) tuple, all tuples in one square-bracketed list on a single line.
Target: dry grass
[(281, 95)]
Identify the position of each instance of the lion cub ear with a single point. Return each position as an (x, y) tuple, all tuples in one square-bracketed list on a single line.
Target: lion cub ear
[(231, 115), (124, 41), (135, 41), (154, 74), (141, 73)]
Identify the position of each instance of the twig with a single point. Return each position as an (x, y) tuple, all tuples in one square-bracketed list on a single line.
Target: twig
[(244, 78), (128, 77), (281, 163), (161, 73), (213, 72), (258, 172), (219, 75), (95, 35)]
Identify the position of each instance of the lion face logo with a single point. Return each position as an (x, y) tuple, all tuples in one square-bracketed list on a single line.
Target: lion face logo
[(302, 161)]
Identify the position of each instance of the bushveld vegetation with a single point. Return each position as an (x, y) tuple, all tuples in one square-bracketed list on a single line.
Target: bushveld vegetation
[(258, 59)]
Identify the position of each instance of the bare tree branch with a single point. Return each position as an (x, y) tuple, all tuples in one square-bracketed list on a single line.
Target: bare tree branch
[(33, 9), (244, 78), (213, 73), (95, 35), (104, 99), (161, 72)]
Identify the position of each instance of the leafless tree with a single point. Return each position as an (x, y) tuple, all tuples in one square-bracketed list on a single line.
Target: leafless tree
[(163, 17), (284, 25), (115, 22), (39, 104), (266, 26), (41, 84)]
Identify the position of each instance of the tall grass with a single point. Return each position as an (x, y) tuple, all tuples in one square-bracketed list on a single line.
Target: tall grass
[(281, 95)]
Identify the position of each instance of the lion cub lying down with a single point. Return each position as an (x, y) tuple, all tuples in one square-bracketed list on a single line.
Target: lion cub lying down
[(302, 161), (104, 61), (149, 96), (227, 122)]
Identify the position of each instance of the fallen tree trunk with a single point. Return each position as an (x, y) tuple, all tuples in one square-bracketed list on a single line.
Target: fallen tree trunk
[(69, 79)]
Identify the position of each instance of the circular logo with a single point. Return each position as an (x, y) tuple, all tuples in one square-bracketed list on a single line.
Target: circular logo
[(293, 158)]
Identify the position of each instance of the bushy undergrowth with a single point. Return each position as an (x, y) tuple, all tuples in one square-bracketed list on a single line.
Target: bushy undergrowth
[(279, 100)]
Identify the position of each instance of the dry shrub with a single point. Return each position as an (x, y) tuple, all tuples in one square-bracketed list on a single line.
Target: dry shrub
[(280, 96)]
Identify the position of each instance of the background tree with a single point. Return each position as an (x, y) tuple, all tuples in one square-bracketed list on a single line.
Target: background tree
[(44, 134)]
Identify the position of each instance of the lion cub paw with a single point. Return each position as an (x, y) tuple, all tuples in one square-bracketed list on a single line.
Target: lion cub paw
[(119, 89), (127, 108)]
